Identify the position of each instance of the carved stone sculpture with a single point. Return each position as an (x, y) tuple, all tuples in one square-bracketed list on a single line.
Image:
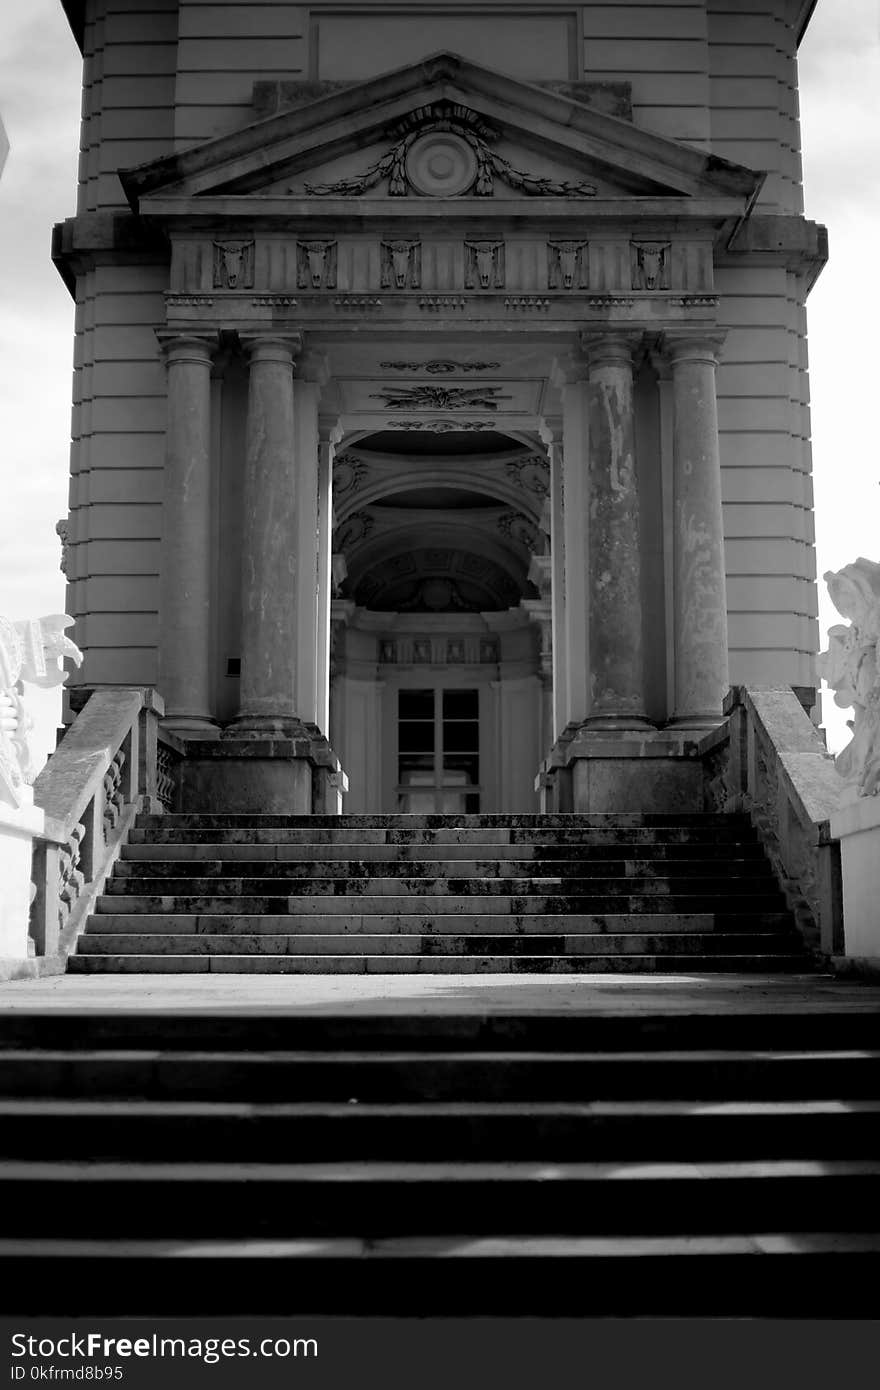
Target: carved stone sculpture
[(316, 265), (401, 265), (650, 265), (851, 666), (233, 265), (31, 651)]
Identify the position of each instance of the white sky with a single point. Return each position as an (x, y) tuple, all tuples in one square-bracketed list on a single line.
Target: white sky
[(40, 74)]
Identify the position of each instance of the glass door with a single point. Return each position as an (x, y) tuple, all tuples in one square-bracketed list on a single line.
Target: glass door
[(438, 751)]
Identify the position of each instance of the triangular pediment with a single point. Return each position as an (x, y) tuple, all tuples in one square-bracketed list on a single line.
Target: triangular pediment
[(442, 128)]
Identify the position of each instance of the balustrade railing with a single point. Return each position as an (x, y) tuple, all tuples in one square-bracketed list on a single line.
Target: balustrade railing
[(769, 759), (101, 775)]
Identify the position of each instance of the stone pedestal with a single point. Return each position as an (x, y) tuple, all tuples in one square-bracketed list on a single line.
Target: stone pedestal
[(19, 825), (277, 775), (187, 520), (857, 826), (627, 770)]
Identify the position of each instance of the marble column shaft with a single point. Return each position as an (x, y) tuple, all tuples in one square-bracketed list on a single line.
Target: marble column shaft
[(616, 658), (700, 598), (185, 583), (268, 594)]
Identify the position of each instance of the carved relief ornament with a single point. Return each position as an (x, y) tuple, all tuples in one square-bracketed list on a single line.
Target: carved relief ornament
[(316, 265), (233, 265), (440, 397), (401, 265), (421, 161), (650, 265), (484, 265), (567, 265)]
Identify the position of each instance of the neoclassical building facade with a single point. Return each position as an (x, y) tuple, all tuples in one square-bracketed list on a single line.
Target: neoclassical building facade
[(441, 418)]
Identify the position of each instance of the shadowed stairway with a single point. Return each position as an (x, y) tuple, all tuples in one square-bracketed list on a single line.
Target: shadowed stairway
[(458, 1147), (434, 894)]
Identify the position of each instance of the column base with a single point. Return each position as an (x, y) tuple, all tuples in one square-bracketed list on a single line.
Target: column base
[(189, 726), (262, 726), (596, 771), (700, 722), (259, 773), (613, 722)]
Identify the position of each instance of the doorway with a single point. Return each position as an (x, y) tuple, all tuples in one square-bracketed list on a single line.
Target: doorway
[(438, 751)]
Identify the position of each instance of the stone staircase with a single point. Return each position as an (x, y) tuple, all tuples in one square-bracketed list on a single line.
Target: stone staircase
[(441, 894), (615, 1159)]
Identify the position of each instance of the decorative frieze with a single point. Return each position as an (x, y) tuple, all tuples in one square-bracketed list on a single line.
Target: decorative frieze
[(431, 397), (316, 265), (649, 263), (437, 651), (233, 265), (401, 263), (567, 266), (440, 367), (189, 301), (357, 301), (484, 265), (439, 303), (439, 426), (274, 301), (525, 302)]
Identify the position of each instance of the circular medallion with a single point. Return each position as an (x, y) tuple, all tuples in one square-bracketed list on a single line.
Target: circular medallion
[(441, 165)]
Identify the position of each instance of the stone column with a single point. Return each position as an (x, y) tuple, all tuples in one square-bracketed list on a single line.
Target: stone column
[(305, 397), (268, 590), (617, 698), (185, 582), (328, 436), (699, 590), (568, 483)]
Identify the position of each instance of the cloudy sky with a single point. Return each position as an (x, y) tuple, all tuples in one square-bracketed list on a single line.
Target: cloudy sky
[(40, 75)]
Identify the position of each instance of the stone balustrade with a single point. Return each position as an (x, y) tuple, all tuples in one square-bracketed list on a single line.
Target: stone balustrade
[(770, 760), (101, 775)]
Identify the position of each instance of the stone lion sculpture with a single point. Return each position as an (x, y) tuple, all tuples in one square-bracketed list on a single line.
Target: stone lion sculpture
[(31, 652), (851, 666)]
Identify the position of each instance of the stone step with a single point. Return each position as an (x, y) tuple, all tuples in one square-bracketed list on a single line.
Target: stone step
[(577, 1131), (174, 875), (439, 905), (398, 1078), (715, 834), (419, 923), (222, 886), (437, 944), (827, 1026), (138, 1200), (764, 1273), (401, 821), (436, 965), (142, 850)]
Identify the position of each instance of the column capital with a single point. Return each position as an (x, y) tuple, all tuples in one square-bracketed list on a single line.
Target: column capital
[(272, 346), (187, 347), (610, 346), (330, 430), (693, 344)]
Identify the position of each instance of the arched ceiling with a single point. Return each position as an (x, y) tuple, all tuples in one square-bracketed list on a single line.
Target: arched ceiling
[(442, 530)]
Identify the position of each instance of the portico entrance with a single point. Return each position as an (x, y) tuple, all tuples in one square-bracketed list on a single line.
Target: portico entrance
[(441, 354)]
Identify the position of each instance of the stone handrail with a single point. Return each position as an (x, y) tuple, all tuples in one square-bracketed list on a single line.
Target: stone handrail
[(770, 760), (102, 773)]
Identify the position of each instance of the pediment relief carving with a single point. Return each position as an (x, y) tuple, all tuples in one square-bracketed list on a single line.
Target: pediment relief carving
[(444, 150), (443, 128)]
